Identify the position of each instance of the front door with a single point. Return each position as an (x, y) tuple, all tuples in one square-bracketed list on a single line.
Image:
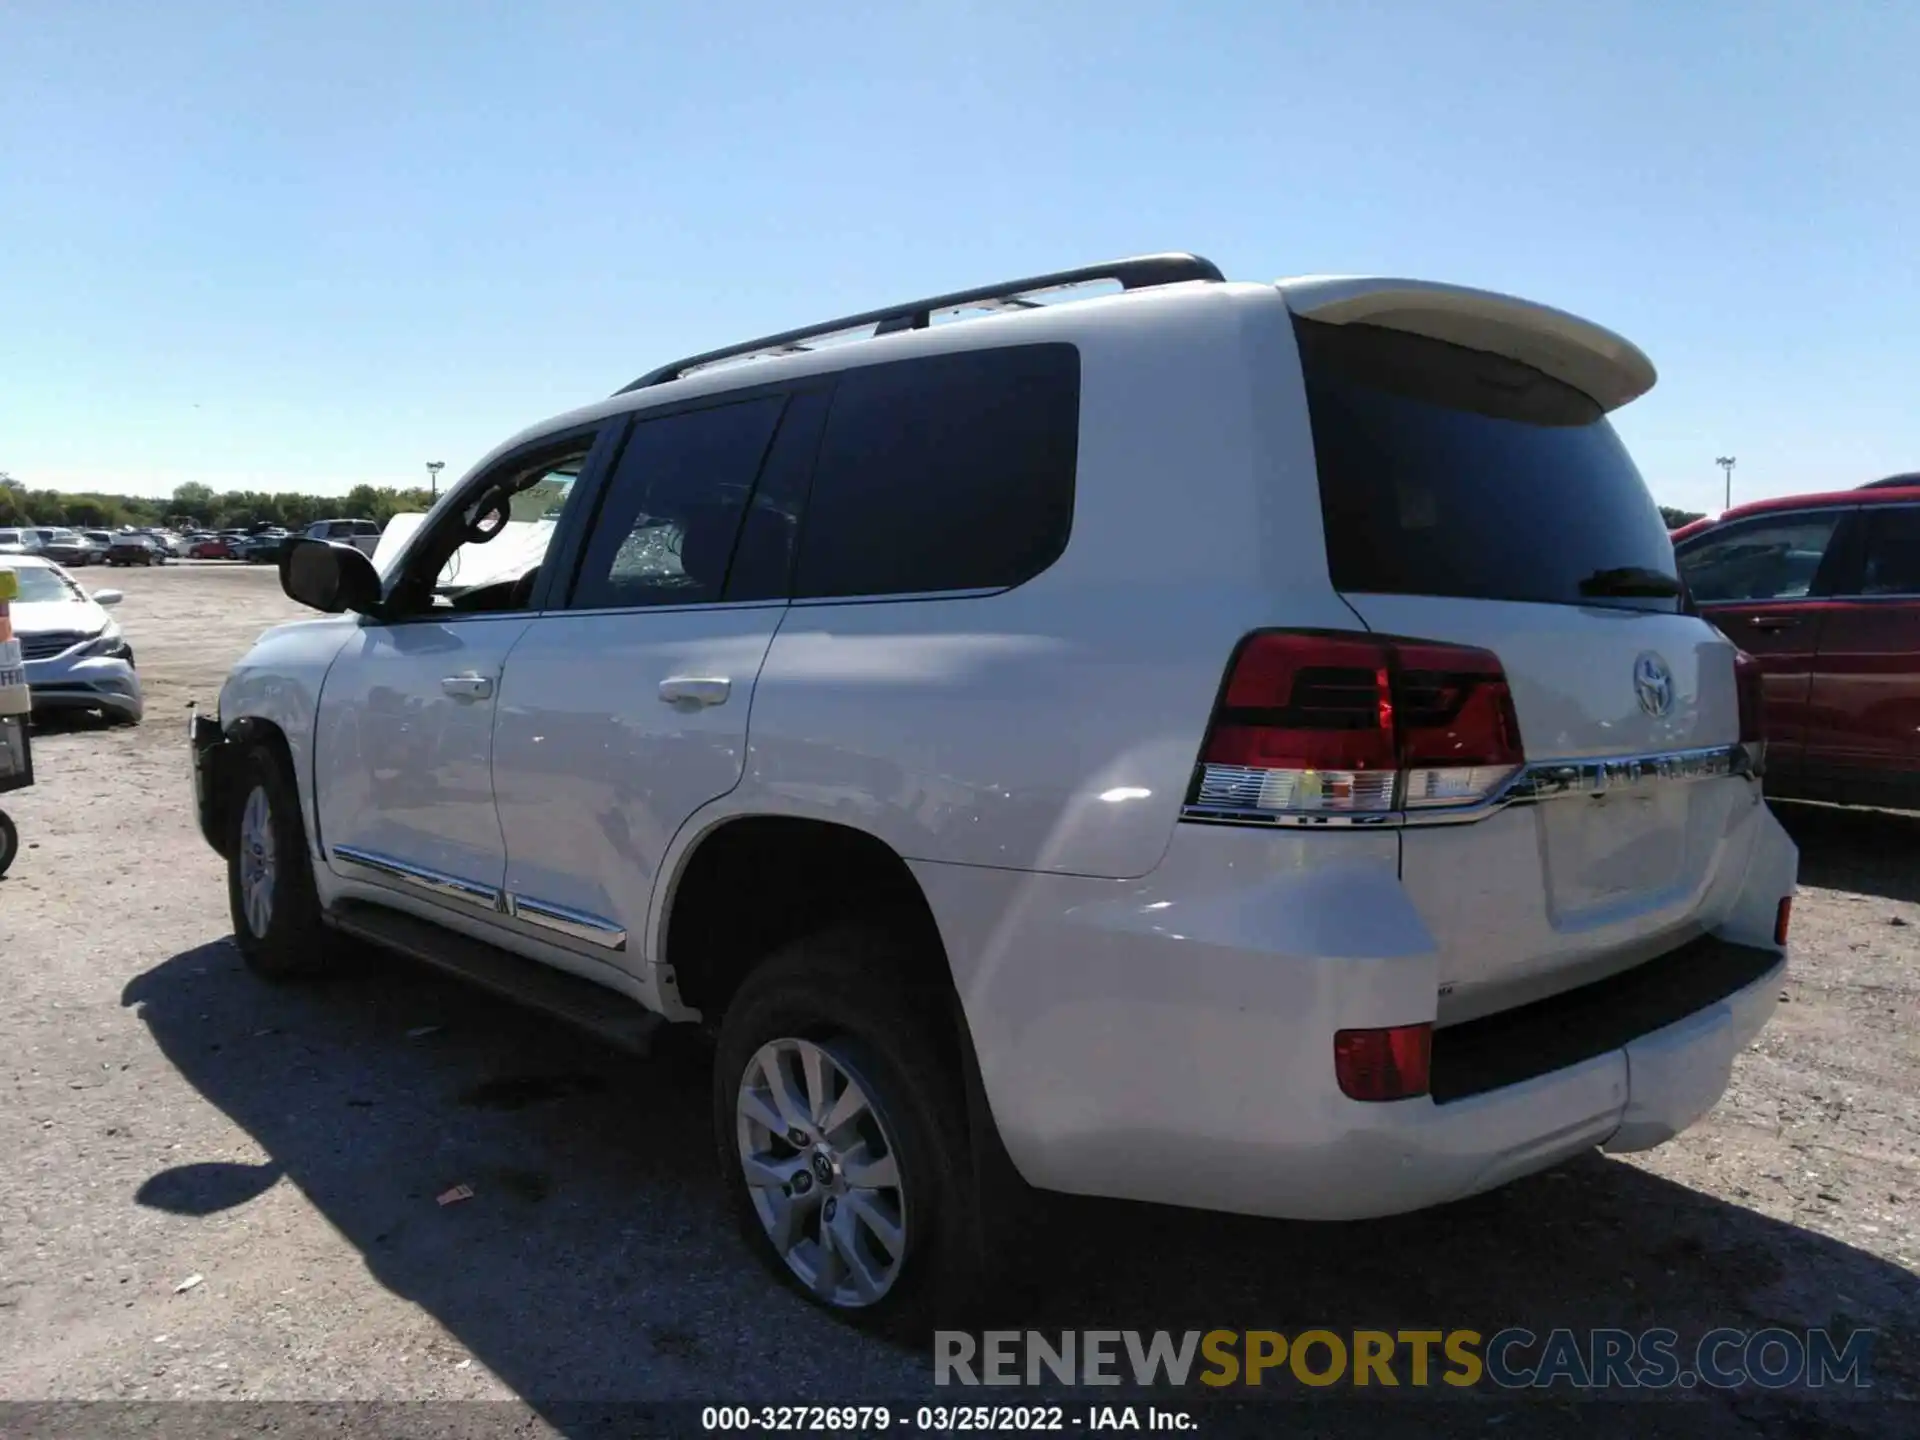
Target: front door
[(403, 747), (625, 711), (1760, 581)]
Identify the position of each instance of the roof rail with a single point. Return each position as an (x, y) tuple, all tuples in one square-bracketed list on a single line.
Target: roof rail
[(1140, 272)]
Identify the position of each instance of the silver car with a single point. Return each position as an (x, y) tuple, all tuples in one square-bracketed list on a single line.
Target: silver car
[(76, 658)]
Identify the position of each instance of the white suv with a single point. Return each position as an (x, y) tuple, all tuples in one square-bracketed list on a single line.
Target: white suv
[(1235, 745)]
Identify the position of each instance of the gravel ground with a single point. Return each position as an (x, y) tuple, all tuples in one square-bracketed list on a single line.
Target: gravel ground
[(166, 1117)]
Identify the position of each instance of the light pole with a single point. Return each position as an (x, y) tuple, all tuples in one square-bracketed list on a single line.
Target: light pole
[(434, 467), (1725, 462)]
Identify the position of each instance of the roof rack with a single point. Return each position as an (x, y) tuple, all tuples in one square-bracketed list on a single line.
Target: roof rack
[(1138, 273)]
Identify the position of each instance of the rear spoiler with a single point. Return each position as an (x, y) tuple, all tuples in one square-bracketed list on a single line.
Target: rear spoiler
[(1592, 359)]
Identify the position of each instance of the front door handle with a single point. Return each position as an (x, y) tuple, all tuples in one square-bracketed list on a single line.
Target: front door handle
[(1774, 622), (468, 686), (696, 689)]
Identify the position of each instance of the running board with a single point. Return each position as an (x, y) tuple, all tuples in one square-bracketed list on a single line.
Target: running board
[(613, 1017)]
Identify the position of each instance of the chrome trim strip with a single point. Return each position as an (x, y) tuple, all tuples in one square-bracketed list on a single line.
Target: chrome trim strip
[(1543, 780), (435, 882), (564, 920)]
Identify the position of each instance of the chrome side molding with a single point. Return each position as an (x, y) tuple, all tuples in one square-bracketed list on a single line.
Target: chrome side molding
[(1541, 781), (560, 919), (564, 920), (437, 883)]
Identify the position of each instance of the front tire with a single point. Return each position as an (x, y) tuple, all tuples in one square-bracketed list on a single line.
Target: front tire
[(270, 894), (843, 1138)]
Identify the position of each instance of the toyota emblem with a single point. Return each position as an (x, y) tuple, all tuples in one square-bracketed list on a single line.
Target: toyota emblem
[(1653, 684)]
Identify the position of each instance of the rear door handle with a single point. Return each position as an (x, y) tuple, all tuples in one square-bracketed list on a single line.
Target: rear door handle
[(1774, 622), (696, 689), (468, 686)]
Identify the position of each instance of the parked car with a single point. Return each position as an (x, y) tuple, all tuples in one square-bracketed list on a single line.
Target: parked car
[(16, 541), (1346, 859), (98, 543), (76, 658), (1824, 592), (264, 548), (361, 534), (211, 547), (61, 545), (134, 548)]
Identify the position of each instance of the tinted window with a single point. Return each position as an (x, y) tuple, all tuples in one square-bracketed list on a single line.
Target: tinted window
[(763, 558), (953, 472), (666, 531), (1448, 471), (1892, 561), (1772, 558)]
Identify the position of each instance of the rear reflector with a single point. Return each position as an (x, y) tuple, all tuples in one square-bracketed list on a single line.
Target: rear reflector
[(1314, 724), (1782, 918), (1387, 1064)]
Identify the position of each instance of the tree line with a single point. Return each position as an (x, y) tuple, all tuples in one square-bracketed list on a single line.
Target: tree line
[(199, 505)]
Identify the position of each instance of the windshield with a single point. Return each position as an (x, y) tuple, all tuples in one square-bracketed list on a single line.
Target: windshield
[(41, 585), (1449, 471)]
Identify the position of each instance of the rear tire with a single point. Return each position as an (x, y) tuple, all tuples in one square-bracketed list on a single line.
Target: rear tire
[(9, 842), (270, 894), (816, 1030)]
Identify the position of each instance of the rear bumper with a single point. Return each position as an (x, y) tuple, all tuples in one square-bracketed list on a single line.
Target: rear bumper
[(1171, 1039)]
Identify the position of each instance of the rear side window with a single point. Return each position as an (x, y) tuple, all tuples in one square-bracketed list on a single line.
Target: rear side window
[(666, 531), (949, 472), (1891, 562), (1449, 471), (1766, 558)]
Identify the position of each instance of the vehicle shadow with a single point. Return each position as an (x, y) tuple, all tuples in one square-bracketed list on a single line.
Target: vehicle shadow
[(595, 1261), (1864, 852)]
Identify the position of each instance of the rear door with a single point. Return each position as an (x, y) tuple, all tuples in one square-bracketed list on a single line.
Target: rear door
[(625, 710), (1865, 693), (1761, 581), (1472, 499)]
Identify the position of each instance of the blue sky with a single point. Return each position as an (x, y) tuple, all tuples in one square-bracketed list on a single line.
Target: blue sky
[(306, 246)]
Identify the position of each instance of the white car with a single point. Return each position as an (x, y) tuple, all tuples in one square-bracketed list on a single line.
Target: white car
[(76, 658), (1381, 831), (361, 534)]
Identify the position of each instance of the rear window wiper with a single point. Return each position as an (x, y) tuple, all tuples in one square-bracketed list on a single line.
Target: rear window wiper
[(1631, 580)]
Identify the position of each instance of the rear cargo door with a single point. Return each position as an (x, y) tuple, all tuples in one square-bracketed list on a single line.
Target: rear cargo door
[(1472, 498)]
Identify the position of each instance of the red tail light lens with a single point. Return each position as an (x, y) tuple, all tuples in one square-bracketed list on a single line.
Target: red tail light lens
[(1782, 922), (1391, 1064), (1319, 724)]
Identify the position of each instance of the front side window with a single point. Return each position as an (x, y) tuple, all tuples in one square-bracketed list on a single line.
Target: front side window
[(1763, 559), (1891, 564), (948, 472), (667, 530), (484, 556)]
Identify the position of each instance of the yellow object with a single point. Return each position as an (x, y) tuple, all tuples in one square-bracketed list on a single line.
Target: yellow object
[(9, 585)]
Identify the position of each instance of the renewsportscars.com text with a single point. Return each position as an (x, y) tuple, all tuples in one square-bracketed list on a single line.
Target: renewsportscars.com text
[(1513, 1358)]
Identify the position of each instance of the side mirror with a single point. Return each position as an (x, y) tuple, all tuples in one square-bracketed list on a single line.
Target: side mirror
[(329, 577), (107, 597)]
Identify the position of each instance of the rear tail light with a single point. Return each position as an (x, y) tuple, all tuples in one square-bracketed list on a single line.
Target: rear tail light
[(1782, 920), (1324, 725), (1391, 1064), (1748, 680)]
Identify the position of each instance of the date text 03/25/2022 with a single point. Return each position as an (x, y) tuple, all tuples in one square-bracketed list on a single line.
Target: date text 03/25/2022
[(941, 1419)]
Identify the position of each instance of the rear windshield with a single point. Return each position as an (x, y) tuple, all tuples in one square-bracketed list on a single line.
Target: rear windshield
[(1448, 471)]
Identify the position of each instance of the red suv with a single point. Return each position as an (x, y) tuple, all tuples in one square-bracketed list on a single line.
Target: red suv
[(1824, 591)]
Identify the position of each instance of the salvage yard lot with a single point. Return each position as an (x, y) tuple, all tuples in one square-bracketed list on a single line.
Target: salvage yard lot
[(167, 1116)]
